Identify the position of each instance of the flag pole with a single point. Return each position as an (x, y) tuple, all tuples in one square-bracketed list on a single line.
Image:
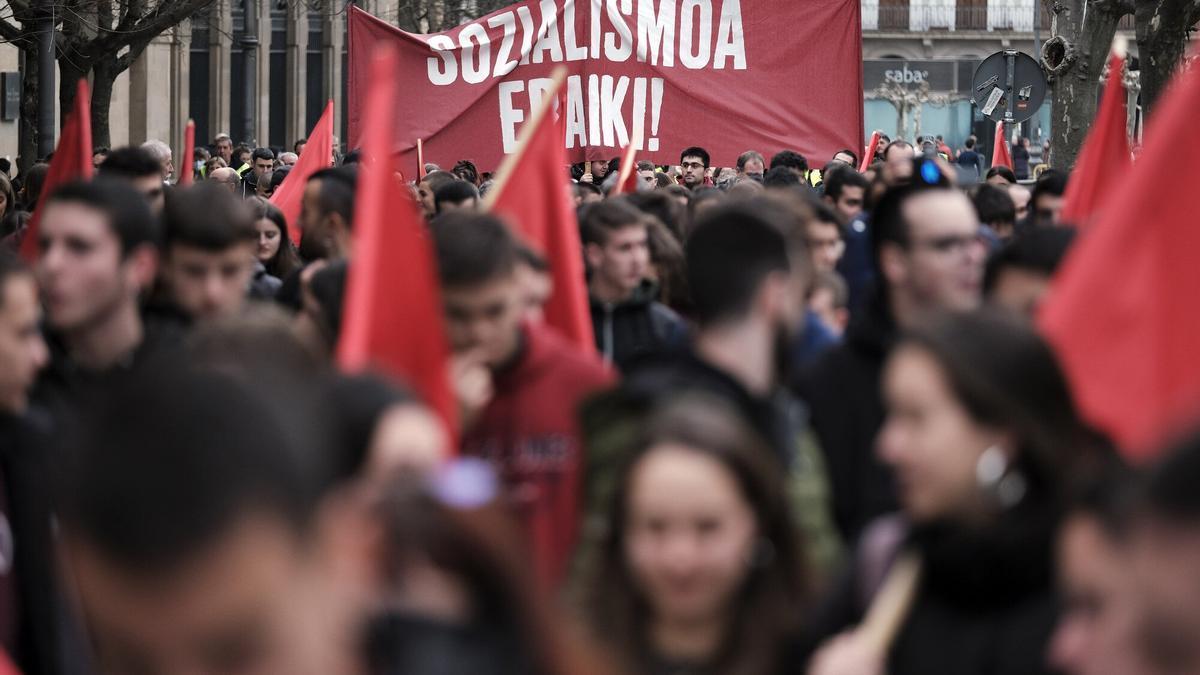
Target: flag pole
[(627, 162), (557, 78)]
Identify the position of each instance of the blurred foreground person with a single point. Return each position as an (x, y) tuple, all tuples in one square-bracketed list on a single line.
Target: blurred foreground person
[(1019, 274), (460, 595), (192, 535), (981, 434), (701, 569), (519, 384)]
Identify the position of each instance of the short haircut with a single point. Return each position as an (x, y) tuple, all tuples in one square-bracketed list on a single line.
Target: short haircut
[(151, 490), (1002, 171), (473, 249), (780, 176), (749, 156), (262, 153), (101, 150), (10, 266), (436, 179), (790, 159), (1052, 182), (664, 206), (466, 170), (733, 248), (839, 178), (278, 176), (898, 143), (645, 165), (822, 213), (297, 144), (834, 283), (583, 189), (887, 220), (597, 221), (157, 149), (336, 195), (454, 192), (129, 163), (853, 156), (222, 137), (994, 205), (969, 143), (209, 217), (1038, 249), (128, 214), (696, 152)]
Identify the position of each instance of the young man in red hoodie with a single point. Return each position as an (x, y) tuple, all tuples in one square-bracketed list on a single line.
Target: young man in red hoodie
[(519, 384)]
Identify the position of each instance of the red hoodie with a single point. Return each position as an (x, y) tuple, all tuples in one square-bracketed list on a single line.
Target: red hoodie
[(531, 431)]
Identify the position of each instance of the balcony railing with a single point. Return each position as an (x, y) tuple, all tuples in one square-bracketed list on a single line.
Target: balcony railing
[(902, 17)]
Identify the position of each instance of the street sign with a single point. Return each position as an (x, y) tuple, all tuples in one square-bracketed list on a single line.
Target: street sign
[(1008, 86)]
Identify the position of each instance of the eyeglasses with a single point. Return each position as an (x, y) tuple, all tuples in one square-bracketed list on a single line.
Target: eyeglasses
[(692, 165)]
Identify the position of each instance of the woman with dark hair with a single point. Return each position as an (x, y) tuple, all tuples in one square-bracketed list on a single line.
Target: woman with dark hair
[(981, 434), (700, 570), (458, 594), (276, 251)]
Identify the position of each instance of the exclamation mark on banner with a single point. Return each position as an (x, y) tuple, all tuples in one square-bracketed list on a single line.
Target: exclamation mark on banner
[(656, 99)]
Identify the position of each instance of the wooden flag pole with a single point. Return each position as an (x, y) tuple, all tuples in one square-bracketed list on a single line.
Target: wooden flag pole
[(557, 79), (627, 163), (891, 605)]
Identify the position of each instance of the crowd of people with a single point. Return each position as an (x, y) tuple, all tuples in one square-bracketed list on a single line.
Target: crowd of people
[(804, 379)]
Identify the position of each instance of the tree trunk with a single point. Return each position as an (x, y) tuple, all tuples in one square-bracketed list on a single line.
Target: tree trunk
[(27, 153), (70, 73), (1074, 59), (1162, 28), (104, 75)]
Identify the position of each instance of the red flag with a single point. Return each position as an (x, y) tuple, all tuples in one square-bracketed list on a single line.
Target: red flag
[(627, 179), (1000, 153), (318, 154), (870, 153), (1104, 161), (1122, 310), (7, 667), (532, 194), (72, 161), (186, 164), (393, 310)]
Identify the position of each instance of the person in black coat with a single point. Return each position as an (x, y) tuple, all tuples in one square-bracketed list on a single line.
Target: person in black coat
[(929, 257), (982, 434)]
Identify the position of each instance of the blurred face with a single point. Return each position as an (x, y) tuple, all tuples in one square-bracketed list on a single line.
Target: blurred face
[(536, 287), (621, 263), (850, 202), (753, 166), (269, 239), (825, 245), (844, 158), (300, 148), (315, 240), (198, 619), (999, 181), (1020, 196), (1048, 209), (425, 194), (242, 159), (1020, 290), (822, 303), (693, 171), (897, 164), (225, 150), (942, 267), (288, 159), (407, 437), (1096, 627), (80, 270), (263, 167), (151, 187), (930, 442), (22, 350), (485, 318), (599, 169), (648, 180), (98, 159), (1165, 557), (208, 284), (690, 534)]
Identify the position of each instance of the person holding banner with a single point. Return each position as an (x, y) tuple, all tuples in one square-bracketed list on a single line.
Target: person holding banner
[(983, 438)]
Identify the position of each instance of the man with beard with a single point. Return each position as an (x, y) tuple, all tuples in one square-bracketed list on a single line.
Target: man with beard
[(930, 258)]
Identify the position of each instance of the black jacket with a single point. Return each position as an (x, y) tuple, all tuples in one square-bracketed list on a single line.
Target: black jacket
[(846, 409), (985, 604), (635, 327)]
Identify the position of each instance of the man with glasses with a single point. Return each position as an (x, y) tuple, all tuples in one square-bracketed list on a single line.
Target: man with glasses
[(930, 257), (694, 163)]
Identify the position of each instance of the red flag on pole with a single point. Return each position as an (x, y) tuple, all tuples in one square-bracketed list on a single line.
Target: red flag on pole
[(185, 165), (1104, 161), (393, 310), (531, 192), (1122, 310), (72, 160), (870, 153), (318, 154), (1000, 153), (627, 178)]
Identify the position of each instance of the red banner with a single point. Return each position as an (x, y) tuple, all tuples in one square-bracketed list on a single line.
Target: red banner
[(726, 75)]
